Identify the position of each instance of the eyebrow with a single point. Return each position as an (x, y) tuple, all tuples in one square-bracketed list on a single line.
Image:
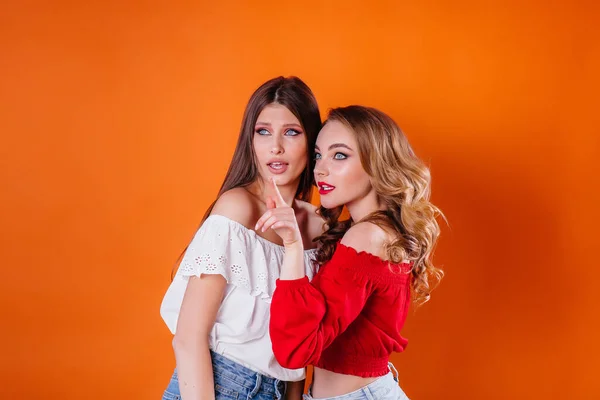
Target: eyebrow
[(335, 146), (293, 125)]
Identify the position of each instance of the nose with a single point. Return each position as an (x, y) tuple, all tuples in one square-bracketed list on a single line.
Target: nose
[(320, 169), (277, 146)]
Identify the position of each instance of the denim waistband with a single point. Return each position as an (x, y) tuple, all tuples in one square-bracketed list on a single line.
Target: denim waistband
[(246, 377)]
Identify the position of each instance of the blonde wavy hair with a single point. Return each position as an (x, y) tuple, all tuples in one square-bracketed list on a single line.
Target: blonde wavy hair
[(403, 184)]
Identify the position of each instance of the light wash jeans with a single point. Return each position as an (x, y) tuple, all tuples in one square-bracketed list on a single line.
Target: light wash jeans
[(234, 382)]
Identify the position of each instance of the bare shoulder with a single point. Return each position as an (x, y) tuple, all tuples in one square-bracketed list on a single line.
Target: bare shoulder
[(314, 222), (366, 236), (238, 205)]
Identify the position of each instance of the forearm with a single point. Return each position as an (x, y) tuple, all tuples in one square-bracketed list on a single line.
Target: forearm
[(194, 369), (293, 262)]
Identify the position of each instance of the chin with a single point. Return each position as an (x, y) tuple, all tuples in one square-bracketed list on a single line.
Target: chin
[(282, 180), (287, 178), (329, 202)]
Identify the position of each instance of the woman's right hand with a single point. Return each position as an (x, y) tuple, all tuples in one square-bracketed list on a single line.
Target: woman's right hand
[(281, 218)]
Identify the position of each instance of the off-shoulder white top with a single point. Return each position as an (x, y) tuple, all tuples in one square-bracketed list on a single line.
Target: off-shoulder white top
[(250, 264)]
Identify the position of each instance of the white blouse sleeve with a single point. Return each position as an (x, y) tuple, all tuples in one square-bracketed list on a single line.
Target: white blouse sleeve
[(227, 248), (222, 246)]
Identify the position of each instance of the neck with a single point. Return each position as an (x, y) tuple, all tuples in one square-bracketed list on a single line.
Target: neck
[(262, 191), (364, 206)]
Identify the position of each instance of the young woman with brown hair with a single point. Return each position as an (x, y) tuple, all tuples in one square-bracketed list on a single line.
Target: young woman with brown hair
[(218, 303)]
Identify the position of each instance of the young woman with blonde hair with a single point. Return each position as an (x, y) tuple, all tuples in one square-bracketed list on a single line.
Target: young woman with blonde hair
[(347, 321)]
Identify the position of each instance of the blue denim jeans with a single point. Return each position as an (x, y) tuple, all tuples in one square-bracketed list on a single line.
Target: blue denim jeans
[(234, 382), (384, 388)]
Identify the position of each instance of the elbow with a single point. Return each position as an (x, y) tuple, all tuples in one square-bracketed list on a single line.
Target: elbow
[(184, 343), (180, 341), (292, 360), (294, 365), (179, 344), (291, 363), (294, 348)]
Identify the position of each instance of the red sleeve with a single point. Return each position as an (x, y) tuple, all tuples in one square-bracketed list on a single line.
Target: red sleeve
[(306, 317)]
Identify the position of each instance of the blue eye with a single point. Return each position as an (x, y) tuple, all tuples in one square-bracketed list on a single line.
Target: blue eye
[(317, 156), (292, 132), (262, 132), (342, 156)]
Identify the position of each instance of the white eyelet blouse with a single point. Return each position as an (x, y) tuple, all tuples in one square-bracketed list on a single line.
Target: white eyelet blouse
[(250, 264)]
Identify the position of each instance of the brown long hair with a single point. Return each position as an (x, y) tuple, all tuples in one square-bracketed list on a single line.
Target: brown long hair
[(403, 184), (297, 97)]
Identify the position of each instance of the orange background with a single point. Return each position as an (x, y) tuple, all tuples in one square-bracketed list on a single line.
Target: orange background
[(118, 123)]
